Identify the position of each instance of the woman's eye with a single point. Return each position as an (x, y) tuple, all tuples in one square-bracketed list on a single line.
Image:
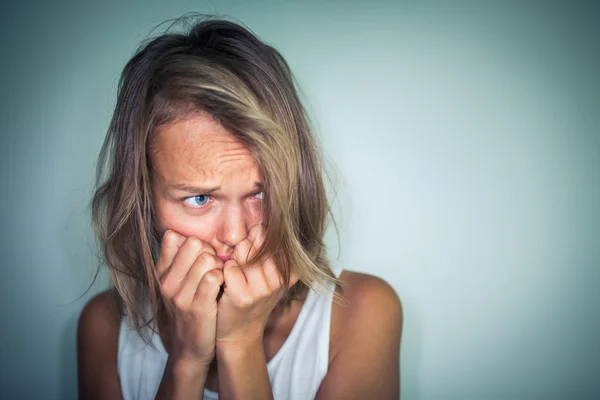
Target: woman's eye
[(197, 201), (259, 196)]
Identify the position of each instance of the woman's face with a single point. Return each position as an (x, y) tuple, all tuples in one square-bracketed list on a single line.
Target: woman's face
[(205, 183)]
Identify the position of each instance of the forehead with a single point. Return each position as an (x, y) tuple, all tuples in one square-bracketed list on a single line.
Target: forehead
[(200, 148)]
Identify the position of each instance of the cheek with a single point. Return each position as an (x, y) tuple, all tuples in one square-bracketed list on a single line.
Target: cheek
[(176, 219), (257, 216)]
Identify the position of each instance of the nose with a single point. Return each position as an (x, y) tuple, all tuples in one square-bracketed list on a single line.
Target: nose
[(234, 227)]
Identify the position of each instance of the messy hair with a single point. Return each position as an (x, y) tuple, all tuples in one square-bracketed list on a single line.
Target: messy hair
[(220, 68)]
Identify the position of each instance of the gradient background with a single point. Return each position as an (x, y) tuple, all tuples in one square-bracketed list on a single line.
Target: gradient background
[(466, 143)]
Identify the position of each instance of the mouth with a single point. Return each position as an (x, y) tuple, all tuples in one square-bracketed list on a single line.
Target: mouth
[(224, 258)]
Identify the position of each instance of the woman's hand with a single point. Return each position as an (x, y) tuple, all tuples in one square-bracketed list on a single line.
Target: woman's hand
[(250, 294), (190, 279)]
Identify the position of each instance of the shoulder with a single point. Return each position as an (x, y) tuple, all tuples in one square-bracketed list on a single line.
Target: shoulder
[(100, 317), (104, 304), (366, 327), (97, 343), (366, 298), (356, 285)]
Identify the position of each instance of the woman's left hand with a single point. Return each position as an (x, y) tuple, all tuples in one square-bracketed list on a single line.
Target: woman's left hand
[(250, 293)]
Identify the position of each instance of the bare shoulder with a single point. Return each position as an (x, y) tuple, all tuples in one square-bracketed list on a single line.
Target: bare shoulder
[(367, 289), (101, 309), (366, 298), (97, 342), (100, 320), (367, 326)]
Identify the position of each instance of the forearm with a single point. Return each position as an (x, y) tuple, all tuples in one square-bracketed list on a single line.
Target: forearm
[(182, 380), (243, 372)]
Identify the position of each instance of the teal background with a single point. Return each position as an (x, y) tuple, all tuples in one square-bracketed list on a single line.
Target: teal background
[(466, 142)]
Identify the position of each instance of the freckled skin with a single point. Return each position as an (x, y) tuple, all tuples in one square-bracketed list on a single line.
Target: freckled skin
[(366, 327), (200, 152)]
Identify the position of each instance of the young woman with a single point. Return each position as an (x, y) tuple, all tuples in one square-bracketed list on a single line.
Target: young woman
[(210, 213)]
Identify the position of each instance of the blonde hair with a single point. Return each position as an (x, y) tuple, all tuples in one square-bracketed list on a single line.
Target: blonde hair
[(220, 68)]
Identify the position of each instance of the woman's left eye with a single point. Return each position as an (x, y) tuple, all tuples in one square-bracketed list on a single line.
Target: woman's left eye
[(258, 196), (197, 201)]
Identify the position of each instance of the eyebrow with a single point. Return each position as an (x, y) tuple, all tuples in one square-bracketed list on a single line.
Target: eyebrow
[(204, 190)]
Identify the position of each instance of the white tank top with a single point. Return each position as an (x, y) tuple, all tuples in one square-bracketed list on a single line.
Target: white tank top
[(295, 372)]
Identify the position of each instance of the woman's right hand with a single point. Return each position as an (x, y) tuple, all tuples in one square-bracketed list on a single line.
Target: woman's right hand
[(191, 276)]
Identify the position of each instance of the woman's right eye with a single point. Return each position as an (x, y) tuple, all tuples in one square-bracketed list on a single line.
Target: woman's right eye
[(197, 201)]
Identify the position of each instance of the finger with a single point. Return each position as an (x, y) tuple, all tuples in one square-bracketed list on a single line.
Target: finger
[(257, 235), (257, 280), (236, 285), (183, 261), (272, 276), (242, 252), (275, 278), (204, 263), (206, 295), (171, 242)]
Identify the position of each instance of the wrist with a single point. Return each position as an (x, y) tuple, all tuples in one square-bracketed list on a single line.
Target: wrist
[(231, 349), (188, 369), (182, 379), (249, 336), (243, 371)]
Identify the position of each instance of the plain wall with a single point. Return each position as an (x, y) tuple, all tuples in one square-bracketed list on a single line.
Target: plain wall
[(466, 142)]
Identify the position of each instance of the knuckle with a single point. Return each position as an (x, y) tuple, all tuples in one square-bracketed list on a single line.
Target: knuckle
[(162, 283), (178, 301), (264, 293), (194, 243), (213, 276), (167, 293), (245, 301), (206, 258), (239, 248), (227, 269), (170, 236), (165, 284)]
